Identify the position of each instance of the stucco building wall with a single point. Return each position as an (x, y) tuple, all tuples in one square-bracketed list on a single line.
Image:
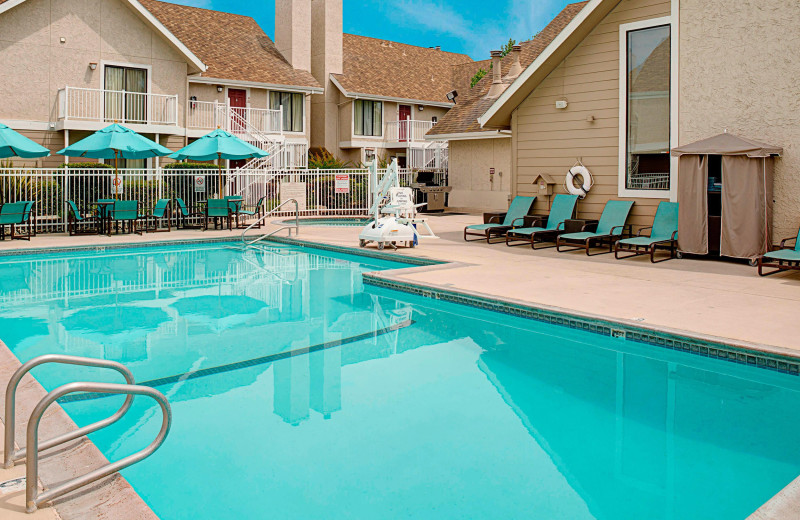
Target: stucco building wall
[(473, 186), (738, 71), (35, 62)]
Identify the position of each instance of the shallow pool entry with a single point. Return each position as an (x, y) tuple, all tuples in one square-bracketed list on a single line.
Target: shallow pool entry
[(299, 392)]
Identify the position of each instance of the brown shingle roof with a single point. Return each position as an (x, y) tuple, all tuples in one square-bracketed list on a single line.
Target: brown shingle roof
[(233, 47), (396, 70), (472, 102)]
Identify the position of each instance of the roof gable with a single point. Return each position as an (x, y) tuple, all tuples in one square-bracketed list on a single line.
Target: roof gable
[(499, 113), (385, 69), (234, 47), (473, 102), (152, 21)]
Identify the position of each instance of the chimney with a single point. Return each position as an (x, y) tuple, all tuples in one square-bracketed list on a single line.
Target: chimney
[(516, 66), (497, 75), (293, 32), (327, 57)]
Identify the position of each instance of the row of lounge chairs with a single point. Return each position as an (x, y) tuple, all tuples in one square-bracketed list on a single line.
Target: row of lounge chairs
[(121, 212), (517, 227)]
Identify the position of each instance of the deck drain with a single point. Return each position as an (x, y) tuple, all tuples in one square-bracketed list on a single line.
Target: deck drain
[(11, 486)]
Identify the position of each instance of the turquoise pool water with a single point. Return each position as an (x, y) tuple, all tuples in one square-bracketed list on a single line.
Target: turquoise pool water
[(298, 392)]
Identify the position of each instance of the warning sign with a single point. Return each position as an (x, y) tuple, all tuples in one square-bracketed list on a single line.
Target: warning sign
[(200, 183), (116, 185), (342, 183)]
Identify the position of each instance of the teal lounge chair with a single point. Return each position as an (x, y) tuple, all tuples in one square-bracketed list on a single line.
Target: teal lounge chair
[(15, 214), (253, 213), (783, 259), (218, 209), (183, 215), (75, 218), (160, 213), (663, 233), (499, 225), (545, 230), (609, 229), (126, 212)]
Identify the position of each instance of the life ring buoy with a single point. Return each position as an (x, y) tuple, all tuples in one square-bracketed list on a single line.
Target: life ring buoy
[(585, 174)]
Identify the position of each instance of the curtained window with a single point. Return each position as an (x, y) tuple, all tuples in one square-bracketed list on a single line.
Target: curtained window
[(126, 94), (293, 105), (368, 117), (648, 71)]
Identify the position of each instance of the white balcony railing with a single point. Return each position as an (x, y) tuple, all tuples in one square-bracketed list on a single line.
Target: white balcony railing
[(88, 104), (406, 130), (208, 115)]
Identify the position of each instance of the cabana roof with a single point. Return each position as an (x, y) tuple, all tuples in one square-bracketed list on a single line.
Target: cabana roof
[(728, 144)]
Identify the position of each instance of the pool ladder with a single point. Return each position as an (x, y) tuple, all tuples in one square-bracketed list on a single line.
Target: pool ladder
[(31, 452), (296, 225)]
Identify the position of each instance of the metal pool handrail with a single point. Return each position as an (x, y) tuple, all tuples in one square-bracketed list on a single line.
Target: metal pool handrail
[(10, 455), (270, 212), (32, 501)]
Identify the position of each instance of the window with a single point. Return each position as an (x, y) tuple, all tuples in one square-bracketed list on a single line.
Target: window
[(368, 117), (126, 96), (434, 120), (293, 105), (646, 107)]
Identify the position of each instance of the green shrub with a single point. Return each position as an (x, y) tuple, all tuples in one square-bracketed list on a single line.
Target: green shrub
[(191, 166), (324, 160), (85, 166)]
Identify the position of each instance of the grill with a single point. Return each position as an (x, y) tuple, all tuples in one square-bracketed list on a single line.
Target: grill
[(428, 192)]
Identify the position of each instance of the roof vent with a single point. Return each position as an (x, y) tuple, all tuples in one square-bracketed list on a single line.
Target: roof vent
[(516, 65), (497, 76)]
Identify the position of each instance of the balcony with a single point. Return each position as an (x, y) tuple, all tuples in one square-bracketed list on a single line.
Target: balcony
[(106, 106), (209, 115), (406, 131)]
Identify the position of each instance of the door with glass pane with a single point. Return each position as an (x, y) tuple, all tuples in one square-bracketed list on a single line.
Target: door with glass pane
[(125, 94)]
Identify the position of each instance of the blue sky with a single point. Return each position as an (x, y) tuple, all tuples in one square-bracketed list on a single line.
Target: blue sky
[(472, 27)]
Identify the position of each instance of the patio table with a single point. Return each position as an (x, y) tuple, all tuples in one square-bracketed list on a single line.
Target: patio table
[(104, 208)]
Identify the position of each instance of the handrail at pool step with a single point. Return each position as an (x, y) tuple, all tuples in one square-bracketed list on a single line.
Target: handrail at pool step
[(33, 446), (267, 214)]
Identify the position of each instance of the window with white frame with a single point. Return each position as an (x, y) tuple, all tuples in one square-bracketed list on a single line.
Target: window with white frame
[(646, 109), (125, 94), (293, 104), (368, 118)]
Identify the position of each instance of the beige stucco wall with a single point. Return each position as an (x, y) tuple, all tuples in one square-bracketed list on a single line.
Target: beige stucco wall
[(739, 70), (36, 64), (550, 141), (473, 186)]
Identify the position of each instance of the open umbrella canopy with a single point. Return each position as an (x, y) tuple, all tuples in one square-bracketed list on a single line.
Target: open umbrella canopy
[(219, 144), (115, 141), (14, 144)]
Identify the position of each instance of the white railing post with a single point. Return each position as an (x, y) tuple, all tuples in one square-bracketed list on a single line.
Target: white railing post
[(280, 119)]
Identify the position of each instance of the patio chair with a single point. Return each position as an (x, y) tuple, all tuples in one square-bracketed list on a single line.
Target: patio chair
[(255, 212), (16, 214), (126, 211), (217, 209), (235, 203), (184, 214), (519, 207), (663, 234), (543, 230), (160, 212), (783, 259), (75, 218), (609, 229)]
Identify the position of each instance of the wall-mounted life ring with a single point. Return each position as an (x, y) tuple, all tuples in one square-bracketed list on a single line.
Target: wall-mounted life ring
[(583, 172)]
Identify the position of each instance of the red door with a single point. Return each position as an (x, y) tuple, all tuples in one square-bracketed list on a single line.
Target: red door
[(237, 99), (404, 116)]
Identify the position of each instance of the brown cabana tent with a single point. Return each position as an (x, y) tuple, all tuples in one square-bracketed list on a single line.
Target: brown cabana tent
[(737, 210)]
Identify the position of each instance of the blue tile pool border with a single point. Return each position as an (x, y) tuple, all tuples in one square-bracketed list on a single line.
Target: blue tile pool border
[(710, 348)]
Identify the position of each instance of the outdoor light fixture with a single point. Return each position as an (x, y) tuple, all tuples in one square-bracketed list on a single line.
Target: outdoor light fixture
[(219, 88), (93, 66), (421, 108), (452, 95)]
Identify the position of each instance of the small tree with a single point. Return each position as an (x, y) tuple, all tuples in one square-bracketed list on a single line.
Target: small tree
[(477, 77), (508, 47)]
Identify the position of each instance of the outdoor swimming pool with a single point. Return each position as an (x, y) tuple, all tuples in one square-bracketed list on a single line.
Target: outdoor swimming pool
[(298, 392)]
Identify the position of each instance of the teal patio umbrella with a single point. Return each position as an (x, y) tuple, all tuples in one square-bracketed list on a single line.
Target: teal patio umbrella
[(219, 145), (14, 144), (113, 142)]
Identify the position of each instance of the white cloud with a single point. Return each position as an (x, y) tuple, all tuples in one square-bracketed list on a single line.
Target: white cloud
[(430, 15)]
